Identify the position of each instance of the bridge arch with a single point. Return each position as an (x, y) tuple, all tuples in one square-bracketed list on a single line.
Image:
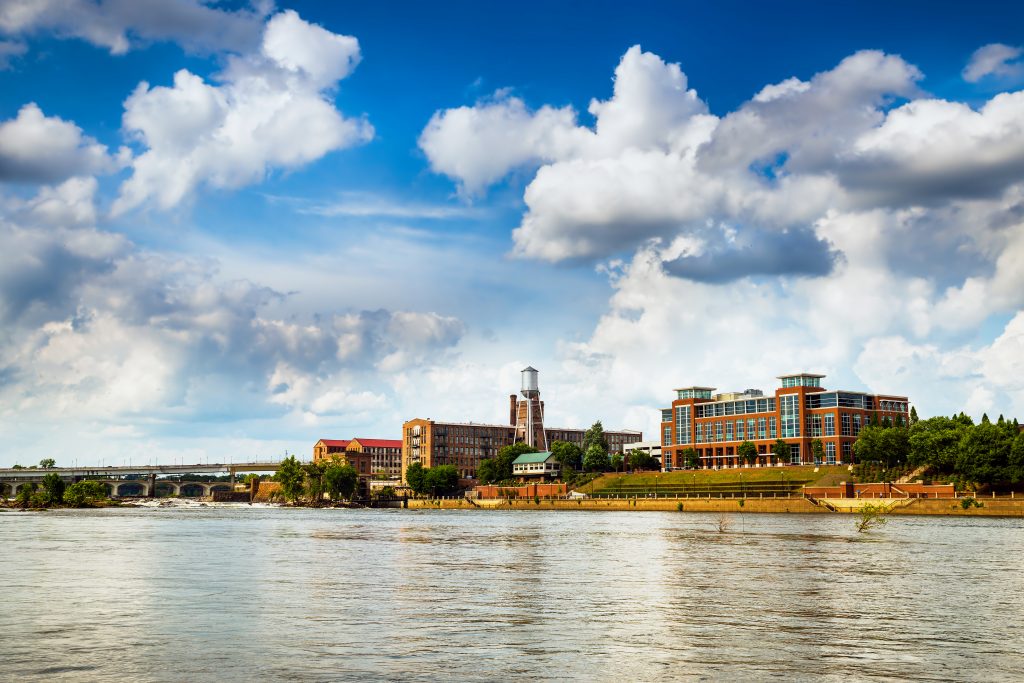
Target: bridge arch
[(192, 489)]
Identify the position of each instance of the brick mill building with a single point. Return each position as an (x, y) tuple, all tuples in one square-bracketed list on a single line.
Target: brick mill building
[(465, 444), (381, 456), (800, 412)]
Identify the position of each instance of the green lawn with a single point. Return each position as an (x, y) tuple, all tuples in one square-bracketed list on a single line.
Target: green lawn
[(827, 475)]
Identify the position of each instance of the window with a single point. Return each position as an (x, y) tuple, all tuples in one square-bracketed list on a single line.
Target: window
[(718, 431), (830, 424), (794, 453), (846, 426), (760, 427), (846, 452), (740, 432), (856, 425), (700, 432), (830, 453), (790, 416), (771, 428), (814, 425), (728, 430), (750, 428), (682, 425), (666, 436), (666, 415)]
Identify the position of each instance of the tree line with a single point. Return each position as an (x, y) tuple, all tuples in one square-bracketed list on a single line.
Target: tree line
[(987, 453), (311, 482)]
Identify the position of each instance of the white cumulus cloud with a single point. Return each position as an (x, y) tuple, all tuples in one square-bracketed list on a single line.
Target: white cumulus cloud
[(271, 109), (35, 148)]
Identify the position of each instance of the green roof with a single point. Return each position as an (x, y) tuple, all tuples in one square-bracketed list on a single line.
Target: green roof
[(532, 457)]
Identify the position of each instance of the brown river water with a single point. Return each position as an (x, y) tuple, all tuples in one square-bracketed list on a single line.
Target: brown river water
[(250, 594)]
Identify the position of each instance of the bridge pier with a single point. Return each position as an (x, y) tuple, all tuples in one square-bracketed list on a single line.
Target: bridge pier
[(151, 493)]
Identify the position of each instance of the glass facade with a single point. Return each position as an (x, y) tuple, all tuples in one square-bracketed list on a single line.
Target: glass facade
[(725, 408), (666, 435), (801, 381), (682, 425), (830, 424), (830, 453), (790, 415), (771, 428)]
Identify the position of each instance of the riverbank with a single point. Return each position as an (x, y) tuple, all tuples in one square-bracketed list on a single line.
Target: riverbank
[(997, 507)]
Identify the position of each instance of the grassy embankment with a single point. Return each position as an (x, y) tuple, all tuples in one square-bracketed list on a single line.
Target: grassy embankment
[(745, 481)]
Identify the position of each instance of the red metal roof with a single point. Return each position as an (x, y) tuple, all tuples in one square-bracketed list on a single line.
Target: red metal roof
[(339, 443), (379, 443)]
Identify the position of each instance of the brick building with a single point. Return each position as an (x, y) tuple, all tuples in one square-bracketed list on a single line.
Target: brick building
[(465, 444), (381, 455), (800, 411)]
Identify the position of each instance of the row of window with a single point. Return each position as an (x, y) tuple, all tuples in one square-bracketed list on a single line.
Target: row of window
[(741, 430), (724, 408)]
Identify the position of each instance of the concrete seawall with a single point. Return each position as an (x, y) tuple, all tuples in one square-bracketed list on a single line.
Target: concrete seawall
[(999, 507)]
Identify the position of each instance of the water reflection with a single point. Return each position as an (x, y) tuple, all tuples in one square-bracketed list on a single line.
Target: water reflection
[(245, 594)]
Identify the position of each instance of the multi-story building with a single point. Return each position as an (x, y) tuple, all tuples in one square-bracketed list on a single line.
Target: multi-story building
[(465, 444), (651, 448), (385, 455), (325, 448), (800, 412)]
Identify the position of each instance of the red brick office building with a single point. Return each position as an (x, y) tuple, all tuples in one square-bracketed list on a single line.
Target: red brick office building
[(800, 412)]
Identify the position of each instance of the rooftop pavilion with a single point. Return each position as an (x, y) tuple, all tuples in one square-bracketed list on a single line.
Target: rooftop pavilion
[(802, 379)]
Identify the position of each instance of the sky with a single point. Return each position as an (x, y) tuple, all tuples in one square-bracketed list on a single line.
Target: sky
[(228, 230)]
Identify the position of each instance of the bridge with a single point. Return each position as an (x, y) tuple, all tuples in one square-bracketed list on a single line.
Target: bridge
[(137, 480)]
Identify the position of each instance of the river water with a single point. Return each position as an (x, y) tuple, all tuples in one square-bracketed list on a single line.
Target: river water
[(244, 594)]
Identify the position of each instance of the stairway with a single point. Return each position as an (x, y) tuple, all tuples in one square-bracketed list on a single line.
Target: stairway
[(916, 474)]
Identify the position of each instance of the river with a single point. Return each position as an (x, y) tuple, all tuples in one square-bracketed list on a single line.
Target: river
[(244, 594)]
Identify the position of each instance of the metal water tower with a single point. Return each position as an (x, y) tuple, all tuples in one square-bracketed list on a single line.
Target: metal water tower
[(529, 412), (531, 385)]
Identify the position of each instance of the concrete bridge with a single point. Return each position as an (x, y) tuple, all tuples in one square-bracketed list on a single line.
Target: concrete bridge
[(144, 481)]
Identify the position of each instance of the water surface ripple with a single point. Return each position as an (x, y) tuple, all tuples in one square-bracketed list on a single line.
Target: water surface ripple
[(242, 594)]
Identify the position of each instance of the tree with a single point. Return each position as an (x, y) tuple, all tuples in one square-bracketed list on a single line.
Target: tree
[(25, 494), (690, 458), (935, 442), (290, 475), (781, 451), (870, 444), (818, 451), (47, 463), (616, 462), (314, 480), (442, 480), (54, 487), (871, 516), (82, 493), (487, 472), (984, 453), (567, 454), (913, 416), (595, 459), (595, 436), (642, 460), (340, 480), (1015, 463), (415, 475), (747, 452)]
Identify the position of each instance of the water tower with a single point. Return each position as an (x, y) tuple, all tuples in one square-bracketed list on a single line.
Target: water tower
[(529, 412)]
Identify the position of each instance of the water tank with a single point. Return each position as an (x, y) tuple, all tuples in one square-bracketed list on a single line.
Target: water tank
[(530, 380)]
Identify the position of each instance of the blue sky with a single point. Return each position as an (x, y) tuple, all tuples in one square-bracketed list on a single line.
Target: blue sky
[(231, 229)]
